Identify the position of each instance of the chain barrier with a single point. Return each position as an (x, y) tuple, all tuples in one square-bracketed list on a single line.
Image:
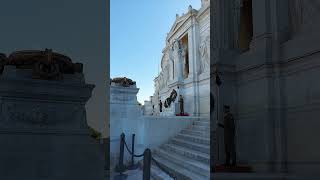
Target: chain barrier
[(125, 143), (147, 157)]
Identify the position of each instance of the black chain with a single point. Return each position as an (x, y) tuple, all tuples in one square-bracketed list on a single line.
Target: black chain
[(163, 169), (130, 151)]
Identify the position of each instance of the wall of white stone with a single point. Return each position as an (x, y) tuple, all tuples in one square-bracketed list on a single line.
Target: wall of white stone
[(150, 131), (204, 96), (302, 100), (277, 109)]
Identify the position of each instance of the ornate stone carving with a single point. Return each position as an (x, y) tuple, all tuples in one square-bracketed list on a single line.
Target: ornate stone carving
[(36, 117), (171, 98), (185, 62), (178, 58), (177, 51), (45, 64), (123, 81), (20, 114), (205, 54), (166, 75), (205, 2)]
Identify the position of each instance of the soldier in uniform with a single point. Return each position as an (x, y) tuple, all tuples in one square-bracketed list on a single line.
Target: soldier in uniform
[(181, 104), (160, 105), (229, 134)]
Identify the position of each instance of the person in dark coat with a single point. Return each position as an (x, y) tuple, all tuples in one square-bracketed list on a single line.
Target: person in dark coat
[(181, 104), (160, 105), (229, 135)]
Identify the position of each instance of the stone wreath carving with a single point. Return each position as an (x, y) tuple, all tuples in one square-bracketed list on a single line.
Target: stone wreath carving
[(44, 64), (170, 99), (123, 81)]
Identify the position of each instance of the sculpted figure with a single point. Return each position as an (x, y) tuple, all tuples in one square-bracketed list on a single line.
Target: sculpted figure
[(176, 50), (160, 106), (185, 62), (205, 55), (181, 104), (166, 74)]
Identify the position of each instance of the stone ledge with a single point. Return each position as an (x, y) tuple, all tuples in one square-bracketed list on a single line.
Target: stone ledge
[(44, 131)]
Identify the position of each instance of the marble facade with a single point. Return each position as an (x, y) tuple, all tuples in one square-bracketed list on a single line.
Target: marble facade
[(185, 64), (268, 62)]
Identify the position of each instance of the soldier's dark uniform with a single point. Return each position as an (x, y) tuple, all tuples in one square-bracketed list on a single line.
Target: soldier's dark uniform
[(160, 106), (229, 134), (181, 105)]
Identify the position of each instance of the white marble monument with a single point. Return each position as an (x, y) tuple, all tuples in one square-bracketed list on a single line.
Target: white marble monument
[(185, 65)]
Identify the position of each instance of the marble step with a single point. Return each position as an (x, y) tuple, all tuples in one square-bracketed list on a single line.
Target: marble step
[(202, 123), (194, 166), (195, 132), (180, 173), (201, 128), (191, 145), (187, 152), (205, 119), (193, 138), (158, 174), (262, 176)]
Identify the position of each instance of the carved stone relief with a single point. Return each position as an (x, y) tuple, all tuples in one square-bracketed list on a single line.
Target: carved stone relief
[(205, 54), (19, 114)]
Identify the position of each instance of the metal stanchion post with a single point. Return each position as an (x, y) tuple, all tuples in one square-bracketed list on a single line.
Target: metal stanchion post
[(133, 166), (120, 167), (147, 164)]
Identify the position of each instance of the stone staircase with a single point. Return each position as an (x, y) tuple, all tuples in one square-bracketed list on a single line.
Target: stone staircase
[(187, 155)]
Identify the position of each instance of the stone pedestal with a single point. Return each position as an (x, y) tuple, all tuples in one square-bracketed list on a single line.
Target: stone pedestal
[(125, 117), (43, 128)]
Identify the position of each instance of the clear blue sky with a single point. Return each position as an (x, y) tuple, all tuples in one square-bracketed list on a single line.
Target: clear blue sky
[(138, 32)]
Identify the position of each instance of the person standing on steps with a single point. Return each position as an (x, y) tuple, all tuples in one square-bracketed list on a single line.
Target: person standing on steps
[(181, 104), (160, 105), (229, 135), (152, 109)]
